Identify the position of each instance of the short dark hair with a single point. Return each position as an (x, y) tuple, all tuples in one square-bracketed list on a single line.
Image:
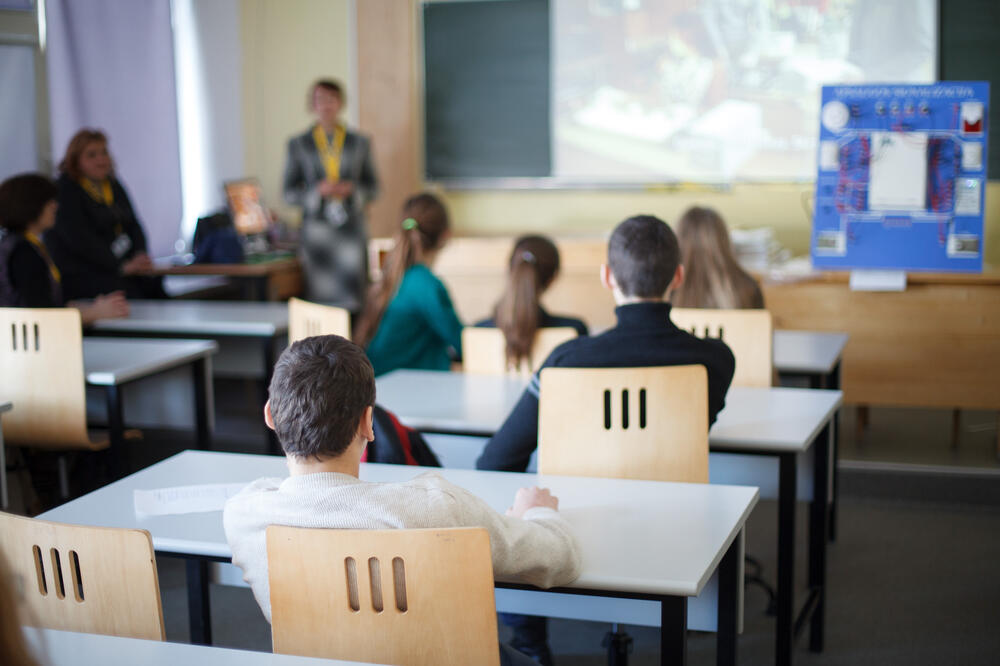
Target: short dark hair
[(643, 255), (22, 199), (319, 391), (326, 84)]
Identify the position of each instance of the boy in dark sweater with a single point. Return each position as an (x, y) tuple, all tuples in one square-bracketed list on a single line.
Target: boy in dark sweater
[(643, 268)]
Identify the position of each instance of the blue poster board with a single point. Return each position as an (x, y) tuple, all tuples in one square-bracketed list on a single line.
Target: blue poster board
[(901, 180)]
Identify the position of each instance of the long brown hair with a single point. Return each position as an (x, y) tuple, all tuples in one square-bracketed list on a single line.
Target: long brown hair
[(534, 263), (13, 648), (713, 278), (70, 163), (424, 223)]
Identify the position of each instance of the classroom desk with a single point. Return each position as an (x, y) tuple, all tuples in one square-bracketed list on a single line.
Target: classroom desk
[(4, 500), (67, 648), (698, 531), (275, 279), (783, 423), (265, 324), (111, 363)]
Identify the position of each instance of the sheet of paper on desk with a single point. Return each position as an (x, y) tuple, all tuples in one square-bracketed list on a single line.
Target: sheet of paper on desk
[(184, 499)]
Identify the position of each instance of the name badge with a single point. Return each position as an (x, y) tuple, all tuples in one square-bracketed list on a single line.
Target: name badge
[(335, 212), (121, 245)]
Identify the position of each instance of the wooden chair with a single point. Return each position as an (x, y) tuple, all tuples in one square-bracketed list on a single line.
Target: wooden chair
[(625, 423), (307, 319), (749, 334), (98, 580), (408, 597), (483, 349)]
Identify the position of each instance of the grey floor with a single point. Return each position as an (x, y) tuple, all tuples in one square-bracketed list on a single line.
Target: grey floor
[(912, 576)]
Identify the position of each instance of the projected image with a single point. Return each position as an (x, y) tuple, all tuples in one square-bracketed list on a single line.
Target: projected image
[(717, 90)]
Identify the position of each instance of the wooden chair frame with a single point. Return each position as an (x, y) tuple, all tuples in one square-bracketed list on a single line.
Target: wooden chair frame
[(625, 423), (306, 319), (749, 334), (483, 349), (408, 597), (98, 580)]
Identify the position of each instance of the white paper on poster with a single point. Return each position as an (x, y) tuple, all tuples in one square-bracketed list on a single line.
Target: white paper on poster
[(184, 499)]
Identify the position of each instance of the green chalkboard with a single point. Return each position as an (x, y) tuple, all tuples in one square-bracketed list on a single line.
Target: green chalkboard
[(969, 30), (487, 89)]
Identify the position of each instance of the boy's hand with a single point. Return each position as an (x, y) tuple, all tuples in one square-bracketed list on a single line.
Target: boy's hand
[(529, 498)]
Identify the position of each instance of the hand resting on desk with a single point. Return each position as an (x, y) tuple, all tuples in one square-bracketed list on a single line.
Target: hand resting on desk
[(530, 498)]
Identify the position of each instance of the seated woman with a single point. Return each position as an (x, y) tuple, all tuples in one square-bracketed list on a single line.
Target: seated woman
[(97, 242), (534, 265), (712, 276), (408, 320), (28, 278)]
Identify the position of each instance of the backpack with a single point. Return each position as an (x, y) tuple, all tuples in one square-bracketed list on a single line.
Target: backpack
[(396, 444)]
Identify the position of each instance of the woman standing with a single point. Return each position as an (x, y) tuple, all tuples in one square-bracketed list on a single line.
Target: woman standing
[(329, 173), (97, 242)]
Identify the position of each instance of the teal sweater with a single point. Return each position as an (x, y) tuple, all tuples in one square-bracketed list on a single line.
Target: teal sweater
[(418, 328)]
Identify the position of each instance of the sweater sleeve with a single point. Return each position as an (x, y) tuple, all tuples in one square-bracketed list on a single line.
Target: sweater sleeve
[(131, 225), (295, 188), (539, 549), (368, 182)]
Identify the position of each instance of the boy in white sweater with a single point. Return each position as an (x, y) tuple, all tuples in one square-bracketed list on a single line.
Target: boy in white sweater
[(321, 398)]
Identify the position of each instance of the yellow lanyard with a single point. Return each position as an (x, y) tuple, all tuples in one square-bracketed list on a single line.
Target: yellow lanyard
[(103, 195), (329, 153), (37, 242)]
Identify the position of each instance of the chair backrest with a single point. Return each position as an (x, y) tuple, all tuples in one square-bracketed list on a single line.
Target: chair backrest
[(625, 423), (408, 597), (41, 353), (749, 334), (97, 580), (307, 319), (483, 349)]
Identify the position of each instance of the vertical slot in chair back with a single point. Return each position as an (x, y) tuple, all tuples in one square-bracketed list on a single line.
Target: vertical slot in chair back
[(483, 349), (97, 580), (307, 319), (749, 334), (41, 354), (625, 423), (408, 597)]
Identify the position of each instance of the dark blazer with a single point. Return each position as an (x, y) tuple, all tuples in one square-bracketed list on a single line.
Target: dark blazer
[(304, 170), (644, 337), (80, 242), (25, 278)]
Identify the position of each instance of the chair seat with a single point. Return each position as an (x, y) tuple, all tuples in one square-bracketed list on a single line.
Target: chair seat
[(99, 440)]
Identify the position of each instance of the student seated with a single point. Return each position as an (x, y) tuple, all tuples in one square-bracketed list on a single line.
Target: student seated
[(28, 278), (408, 320), (534, 264), (712, 276), (97, 241), (643, 265), (324, 446)]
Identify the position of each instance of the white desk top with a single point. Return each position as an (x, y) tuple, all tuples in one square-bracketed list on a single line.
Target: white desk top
[(68, 648), (636, 536), (768, 419), (113, 361), (223, 318), (807, 351)]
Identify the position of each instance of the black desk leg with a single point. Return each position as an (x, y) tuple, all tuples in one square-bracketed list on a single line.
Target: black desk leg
[(834, 383), (116, 431), (199, 610), (729, 604), (260, 287), (202, 404), (673, 631), (818, 535), (786, 558), (272, 440)]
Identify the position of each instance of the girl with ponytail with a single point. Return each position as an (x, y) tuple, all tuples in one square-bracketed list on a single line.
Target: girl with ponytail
[(534, 264), (408, 320)]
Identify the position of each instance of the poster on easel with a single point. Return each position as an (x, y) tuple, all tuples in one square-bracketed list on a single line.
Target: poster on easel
[(901, 178)]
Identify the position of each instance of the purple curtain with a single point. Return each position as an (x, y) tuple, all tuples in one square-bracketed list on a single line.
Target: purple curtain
[(111, 66)]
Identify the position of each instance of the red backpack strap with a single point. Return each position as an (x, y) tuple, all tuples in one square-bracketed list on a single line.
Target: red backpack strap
[(403, 434)]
